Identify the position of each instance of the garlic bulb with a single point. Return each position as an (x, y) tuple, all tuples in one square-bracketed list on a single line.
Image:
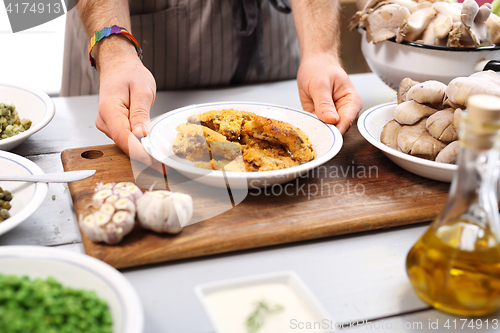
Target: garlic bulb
[(164, 211), (110, 223), (112, 212)]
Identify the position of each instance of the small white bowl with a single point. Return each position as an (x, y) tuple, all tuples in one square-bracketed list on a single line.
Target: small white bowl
[(393, 62), (229, 303), (78, 271), (370, 125), (26, 197), (326, 140), (31, 104)]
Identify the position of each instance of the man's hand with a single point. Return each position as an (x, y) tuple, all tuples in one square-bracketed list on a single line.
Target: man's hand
[(127, 91), (326, 90)]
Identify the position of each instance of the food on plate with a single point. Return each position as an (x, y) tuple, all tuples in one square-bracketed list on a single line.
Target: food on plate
[(240, 141), (427, 116), (115, 207), (227, 122), (5, 199), (10, 123), (268, 159), (449, 153), (411, 112), (45, 305), (440, 125), (200, 142), (436, 22), (164, 211), (460, 88), (279, 132)]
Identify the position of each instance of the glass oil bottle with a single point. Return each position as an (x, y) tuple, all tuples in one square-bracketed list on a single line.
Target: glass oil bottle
[(455, 265)]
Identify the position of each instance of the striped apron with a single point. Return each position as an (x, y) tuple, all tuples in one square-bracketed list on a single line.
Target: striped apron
[(196, 44)]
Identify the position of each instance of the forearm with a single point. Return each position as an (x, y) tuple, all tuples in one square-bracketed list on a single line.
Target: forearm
[(97, 14), (317, 26)]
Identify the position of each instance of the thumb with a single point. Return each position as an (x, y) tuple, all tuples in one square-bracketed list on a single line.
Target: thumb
[(140, 104), (323, 105)]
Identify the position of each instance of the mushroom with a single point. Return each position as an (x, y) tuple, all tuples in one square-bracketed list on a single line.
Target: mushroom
[(460, 88), (449, 153), (389, 135), (440, 125), (417, 22), (410, 112), (404, 86), (437, 30), (427, 147), (493, 26), (429, 92), (408, 135), (474, 20), (385, 22), (456, 119)]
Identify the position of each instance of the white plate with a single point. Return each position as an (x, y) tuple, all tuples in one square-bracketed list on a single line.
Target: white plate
[(370, 125), (326, 140), (26, 197), (32, 104), (239, 296), (78, 271)]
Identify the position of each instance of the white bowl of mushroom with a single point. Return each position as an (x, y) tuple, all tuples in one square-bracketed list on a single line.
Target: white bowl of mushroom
[(420, 131), (427, 41), (371, 124)]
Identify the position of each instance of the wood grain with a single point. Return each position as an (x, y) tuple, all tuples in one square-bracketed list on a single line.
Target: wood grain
[(358, 190)]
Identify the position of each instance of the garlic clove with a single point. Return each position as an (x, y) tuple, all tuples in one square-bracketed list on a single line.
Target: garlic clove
[(112, 199), (107, 208), (100, 197), (101, 218), (134, 191), (125, 204), (125, 220)]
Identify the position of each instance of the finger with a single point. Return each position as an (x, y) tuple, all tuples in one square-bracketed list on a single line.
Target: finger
[(345, 123), (138, 153), (323, 103), (141, 100), (101, 126)]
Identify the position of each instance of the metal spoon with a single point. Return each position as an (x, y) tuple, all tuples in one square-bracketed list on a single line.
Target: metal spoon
[(59, 177)]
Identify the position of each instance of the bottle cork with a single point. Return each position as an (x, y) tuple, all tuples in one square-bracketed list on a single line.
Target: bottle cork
[(480, 125), (483, 109)]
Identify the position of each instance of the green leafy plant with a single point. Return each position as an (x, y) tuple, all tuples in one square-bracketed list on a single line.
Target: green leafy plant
[(257, 318)]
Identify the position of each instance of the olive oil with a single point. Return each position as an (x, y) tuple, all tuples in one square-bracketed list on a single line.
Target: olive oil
[(457, 269), (455, 265)]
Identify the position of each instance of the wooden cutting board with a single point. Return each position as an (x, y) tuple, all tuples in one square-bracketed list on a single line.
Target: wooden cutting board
[(358, 190)]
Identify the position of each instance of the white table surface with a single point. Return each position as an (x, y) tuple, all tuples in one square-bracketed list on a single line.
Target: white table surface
[(357, 277)]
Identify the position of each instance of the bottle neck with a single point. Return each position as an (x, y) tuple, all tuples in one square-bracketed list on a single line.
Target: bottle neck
[(473, 195)]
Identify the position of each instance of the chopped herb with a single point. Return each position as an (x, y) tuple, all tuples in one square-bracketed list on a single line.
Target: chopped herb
[(256, 319), (53, 197)]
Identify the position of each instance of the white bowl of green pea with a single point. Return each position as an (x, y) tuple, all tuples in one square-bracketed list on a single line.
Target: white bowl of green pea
[(23, 112), (64, 291)]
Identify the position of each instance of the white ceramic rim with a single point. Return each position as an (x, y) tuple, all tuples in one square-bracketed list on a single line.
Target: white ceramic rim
[(262, 278), (36, 200), (50, 111), (387, 150), (249, 176), (132, 308)]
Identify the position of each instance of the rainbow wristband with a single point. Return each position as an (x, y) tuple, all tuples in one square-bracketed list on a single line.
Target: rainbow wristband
[(108, 31)]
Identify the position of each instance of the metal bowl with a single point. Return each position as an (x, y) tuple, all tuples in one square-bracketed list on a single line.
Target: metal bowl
[(393, 61)]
